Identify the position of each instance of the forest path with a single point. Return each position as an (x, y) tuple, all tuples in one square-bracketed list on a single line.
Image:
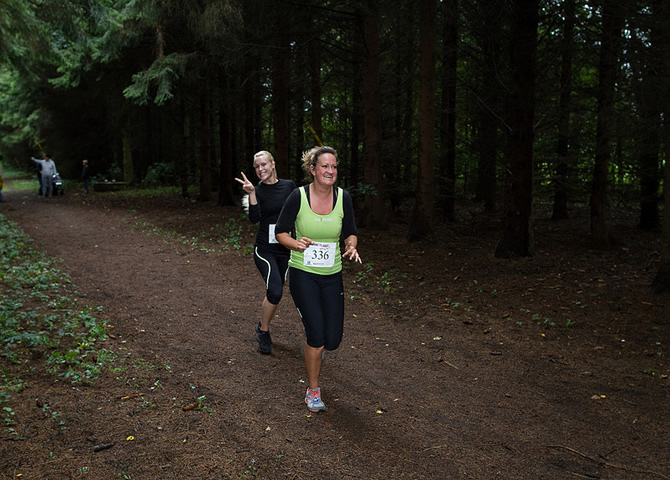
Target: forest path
[(405, 399)]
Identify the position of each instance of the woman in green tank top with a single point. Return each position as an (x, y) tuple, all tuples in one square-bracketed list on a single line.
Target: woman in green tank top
[(320, 214)]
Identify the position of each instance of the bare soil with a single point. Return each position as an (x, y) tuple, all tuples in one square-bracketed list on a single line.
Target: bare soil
[(454, 364)]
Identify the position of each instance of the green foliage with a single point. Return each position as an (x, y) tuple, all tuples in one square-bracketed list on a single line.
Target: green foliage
[(159, 174), (232, 233), (201, 404), (8, 419), (114, 173), (19, 114), (363, 275), (390, 281), (18, 31), (84, 37), (363, 189), (158, 80)]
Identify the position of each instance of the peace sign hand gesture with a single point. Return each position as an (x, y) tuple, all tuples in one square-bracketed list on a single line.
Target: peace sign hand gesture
[(247, 186)]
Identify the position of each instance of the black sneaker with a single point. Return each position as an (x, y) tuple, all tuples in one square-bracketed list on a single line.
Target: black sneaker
[(264, 340)]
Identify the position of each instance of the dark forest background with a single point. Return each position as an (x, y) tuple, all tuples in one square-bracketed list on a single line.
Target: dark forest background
[(505, 103)]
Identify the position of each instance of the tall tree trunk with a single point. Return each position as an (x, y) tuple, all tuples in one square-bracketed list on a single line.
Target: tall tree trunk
[(375, 217), (358, 133), (127, 146), (488, 138), (185, 149), (489, 93), (250, 94), (661, 282), (652, 86), (447, 184), (560, 210), (606, 84), (517, 238), (649, 160), (226, 174), (280, 96), (424, 208), (205, 143), (314, 55)]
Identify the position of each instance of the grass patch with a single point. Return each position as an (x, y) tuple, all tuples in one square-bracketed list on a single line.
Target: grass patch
[(19, 180), (147, 192)]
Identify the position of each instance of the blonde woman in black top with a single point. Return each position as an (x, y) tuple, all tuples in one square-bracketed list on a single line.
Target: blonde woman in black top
[(265, 202)]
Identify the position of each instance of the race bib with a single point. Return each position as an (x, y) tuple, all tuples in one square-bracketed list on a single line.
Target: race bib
[(271, 230), (319, 255)]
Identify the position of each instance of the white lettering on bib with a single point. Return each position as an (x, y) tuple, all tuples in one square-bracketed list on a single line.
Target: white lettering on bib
[(271, 230), (320, 255)]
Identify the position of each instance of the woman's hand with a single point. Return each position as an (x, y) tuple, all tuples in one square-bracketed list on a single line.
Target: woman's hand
[(247, 186), (302, 245), (351, 252), (292, 244)]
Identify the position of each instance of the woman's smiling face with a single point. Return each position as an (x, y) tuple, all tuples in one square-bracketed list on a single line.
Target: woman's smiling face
[(264, 168), (325, 170)]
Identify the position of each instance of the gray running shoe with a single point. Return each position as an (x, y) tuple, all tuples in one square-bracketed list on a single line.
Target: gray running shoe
[(264, 340), (313, 400)]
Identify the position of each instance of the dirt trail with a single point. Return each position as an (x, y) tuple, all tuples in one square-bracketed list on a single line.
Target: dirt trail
[(427, 395)]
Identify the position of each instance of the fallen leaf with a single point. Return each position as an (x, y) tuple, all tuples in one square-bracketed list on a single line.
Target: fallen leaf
[(134, 395)]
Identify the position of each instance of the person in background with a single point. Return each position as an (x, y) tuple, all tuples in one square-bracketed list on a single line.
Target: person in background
[(38, 169), (265, 202), (48, 169), (85, 175), (320, 214)]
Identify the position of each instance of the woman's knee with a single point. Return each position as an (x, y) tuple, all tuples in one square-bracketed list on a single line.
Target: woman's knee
[(274, 295), (332, 344), (316, 341)]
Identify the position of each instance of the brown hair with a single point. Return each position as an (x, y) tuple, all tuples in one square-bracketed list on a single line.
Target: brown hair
[(311, 156)]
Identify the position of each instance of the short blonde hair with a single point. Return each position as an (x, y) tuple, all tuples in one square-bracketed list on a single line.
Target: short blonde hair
[(311, 156)]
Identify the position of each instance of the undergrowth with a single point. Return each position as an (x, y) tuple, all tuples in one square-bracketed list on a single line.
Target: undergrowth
[(231, 235), (41, 325)]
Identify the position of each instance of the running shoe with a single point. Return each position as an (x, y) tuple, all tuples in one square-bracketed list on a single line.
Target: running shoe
[(313, 400), (264, 340)]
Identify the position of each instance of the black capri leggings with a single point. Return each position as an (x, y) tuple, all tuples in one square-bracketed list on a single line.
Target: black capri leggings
[(320, 303), (273, 269)]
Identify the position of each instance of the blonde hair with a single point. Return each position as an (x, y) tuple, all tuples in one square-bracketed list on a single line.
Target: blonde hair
[(311, 156), (264, 153)]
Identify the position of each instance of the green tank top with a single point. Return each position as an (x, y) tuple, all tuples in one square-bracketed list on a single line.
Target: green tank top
[(324, 258)]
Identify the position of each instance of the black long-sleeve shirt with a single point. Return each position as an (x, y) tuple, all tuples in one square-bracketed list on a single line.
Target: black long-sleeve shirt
[(270, 198)]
